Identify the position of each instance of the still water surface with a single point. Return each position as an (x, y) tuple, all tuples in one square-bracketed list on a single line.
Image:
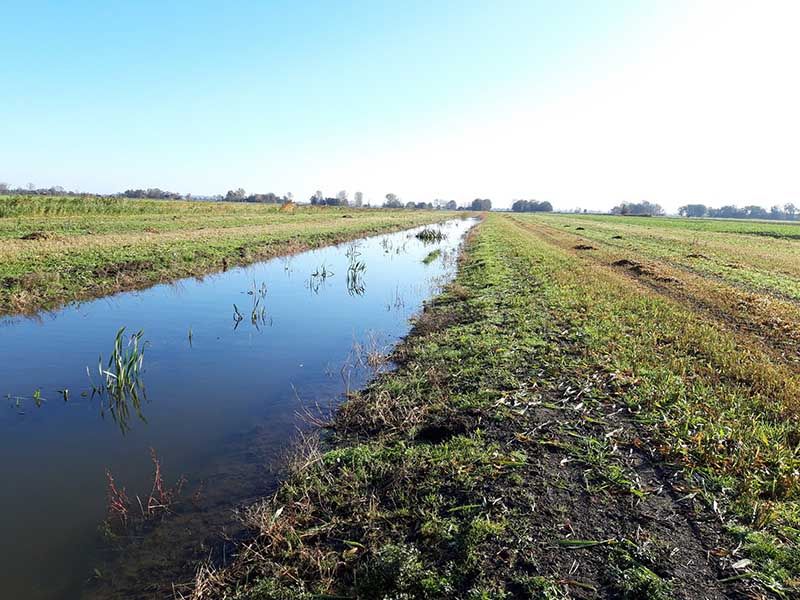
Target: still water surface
[(221, 403)]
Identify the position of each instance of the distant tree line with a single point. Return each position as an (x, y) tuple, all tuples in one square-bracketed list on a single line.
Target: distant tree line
[(32, 190), (788, 212), (154, 193), (481, 204), (240, 195), (341, 199), (638, 209), (531, 206)]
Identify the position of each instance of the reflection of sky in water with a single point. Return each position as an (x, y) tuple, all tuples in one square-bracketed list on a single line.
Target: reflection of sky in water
[(238, 367)]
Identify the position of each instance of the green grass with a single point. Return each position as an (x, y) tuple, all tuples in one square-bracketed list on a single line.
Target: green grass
[(774, 229), (57, 250), (757, 255), (544, 409), (432, 256)]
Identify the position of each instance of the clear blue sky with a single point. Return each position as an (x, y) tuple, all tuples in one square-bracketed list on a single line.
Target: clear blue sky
[(424, 99)]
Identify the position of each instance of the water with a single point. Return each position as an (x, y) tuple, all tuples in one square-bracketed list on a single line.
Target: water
[(220, 404)]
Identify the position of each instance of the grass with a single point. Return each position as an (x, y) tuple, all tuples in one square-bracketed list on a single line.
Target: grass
[(58, 250), (755, 255), (121, 386), (556, 427), (432, 256)]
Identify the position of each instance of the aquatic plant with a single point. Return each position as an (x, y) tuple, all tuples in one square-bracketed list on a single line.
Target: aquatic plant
[(38, 399), (352, 251), (318, 278), (238, 317), (118, 505), (121, 386), (161, 497), (432, 256), (258, 312), (159, 501), (322, 272), (355, 278), (428, 234), (259, 291)]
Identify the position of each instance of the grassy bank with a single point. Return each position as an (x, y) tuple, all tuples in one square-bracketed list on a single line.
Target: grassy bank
[(56, 250), (556, 428)]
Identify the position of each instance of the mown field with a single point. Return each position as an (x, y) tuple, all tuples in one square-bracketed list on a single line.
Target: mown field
[(595, 408), (57, 250)]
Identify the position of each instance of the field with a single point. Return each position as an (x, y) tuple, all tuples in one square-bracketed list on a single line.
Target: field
[(597, 407), (57, 250)]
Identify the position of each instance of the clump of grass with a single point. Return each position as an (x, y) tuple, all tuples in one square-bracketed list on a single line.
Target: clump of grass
[(432, 256), (355, 278), (121, 385), (429, 234)]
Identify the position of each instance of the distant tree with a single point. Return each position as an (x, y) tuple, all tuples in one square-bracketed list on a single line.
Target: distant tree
[(342, 198), (451, 205), (756, 212), (481, 204), (643, 208), (410, 205), (392, 201), (358, 199), (31, 187), (4, 187), (317, 197), (531, 206), (236, 196), (791, 210), (693, 210)]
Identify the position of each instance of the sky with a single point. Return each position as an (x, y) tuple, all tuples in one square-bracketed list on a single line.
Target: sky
[(582, 103)]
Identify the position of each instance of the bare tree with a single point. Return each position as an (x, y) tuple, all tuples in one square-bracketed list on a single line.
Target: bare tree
[(4, 186), (358, 199)]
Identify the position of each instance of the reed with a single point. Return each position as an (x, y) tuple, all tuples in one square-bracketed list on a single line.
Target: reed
[(430, 235), (121, 385), (355, 278)]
